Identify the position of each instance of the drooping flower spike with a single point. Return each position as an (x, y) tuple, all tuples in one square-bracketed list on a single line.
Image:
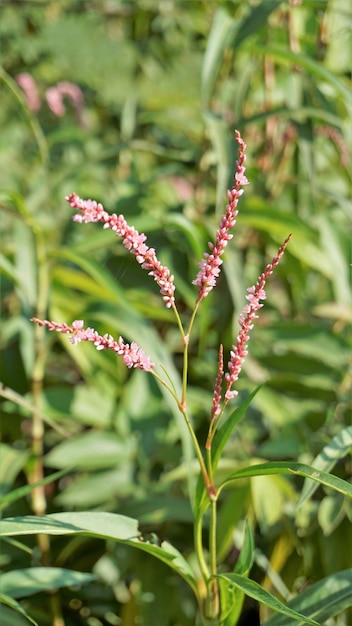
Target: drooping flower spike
[(210, 264), (92, 211), (240, 349), (132, 354)]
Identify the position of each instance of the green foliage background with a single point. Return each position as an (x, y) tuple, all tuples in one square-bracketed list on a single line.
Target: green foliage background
[(165, 84)]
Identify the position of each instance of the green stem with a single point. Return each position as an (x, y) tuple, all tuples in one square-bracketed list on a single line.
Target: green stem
[(198, 544), (214, 586)]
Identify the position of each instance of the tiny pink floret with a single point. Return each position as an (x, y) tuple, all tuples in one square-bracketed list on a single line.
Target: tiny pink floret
[(92, 211)]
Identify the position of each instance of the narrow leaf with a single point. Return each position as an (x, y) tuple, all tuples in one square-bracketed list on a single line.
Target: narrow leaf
[(25, 582), (221, 31), (255, 591), (16, 494), (256, 18), (102, 525), (106, 525), (335, 450), (323, 600), (315, 69), (8, 601), (298, 469), (246, 557)]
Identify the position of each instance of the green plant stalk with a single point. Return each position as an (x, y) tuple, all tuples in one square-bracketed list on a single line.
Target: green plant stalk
[(213, 606), (37, 474), (37, 471)]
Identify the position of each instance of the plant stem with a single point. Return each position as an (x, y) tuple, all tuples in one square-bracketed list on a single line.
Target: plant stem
[(37, 471)]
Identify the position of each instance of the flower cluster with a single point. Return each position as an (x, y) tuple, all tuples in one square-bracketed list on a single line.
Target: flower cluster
[(54, 96), (92, 211), (210, 264), (240, 349), (132, 354)]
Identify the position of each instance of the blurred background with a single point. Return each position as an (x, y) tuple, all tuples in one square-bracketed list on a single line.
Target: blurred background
[(134, 104)]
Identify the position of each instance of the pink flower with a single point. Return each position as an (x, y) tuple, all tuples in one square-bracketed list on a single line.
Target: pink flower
[(132, 354), (55, 99), (240, 349), (92, 211), (28, 84), (216, 409), (210, 264)]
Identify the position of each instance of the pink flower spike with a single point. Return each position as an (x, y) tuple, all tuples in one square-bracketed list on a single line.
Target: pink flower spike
[(215, 411), (29, 87), (92, 211), (132, 354), (240, 349), (210, 264)]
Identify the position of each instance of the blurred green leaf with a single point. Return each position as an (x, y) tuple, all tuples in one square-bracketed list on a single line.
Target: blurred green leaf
[(24, 582), (11, 618), (90, 451), (255, 591), (323, 600), (333, 452)]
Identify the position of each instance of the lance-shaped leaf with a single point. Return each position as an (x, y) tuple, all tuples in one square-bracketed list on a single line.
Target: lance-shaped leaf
[(99, 524), (298, 469), (255, 591)]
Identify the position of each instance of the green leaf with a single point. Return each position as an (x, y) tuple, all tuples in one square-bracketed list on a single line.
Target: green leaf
[(256, 18), (323, 600), (172, 557), (298, 469), (90, 451), (335, 450), (316, 70), (222, 145), (8, 601), (232, 597), (222, 29), (16, 494), (231, 511), (255, 591), (21, 583), (12, 462), (269, 494), (223, 434), (98, 524)]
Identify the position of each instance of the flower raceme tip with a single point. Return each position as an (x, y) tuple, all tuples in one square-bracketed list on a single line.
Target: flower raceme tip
[(240, 349), (210, 264), (92, 211), (132, 354)]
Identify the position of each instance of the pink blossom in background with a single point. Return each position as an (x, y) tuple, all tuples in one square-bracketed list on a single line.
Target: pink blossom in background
[(55, 99), (240, 349), (92, 211), (30, 90), (210, 264), (132, 354), (53, 95)]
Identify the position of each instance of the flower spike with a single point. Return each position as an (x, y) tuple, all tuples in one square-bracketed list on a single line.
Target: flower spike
[(92, 211), (132, 354), (210, 264), (240, 349)]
